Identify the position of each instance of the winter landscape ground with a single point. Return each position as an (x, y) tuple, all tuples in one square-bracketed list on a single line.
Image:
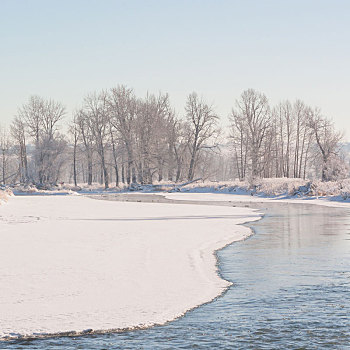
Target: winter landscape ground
[(261, 188), (71, 264), (74, 264)]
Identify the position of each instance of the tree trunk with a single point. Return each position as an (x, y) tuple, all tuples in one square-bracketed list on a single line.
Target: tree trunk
[(3, 167), (89, 169), (116, 175), (75, 164), (191, 168), (104, 168), (123, 172)]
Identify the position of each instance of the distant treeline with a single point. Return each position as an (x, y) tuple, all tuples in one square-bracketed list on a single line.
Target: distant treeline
[(118, 137)]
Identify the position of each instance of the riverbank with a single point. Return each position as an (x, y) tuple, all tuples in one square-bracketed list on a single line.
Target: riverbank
[(269, 188), (70, 264), (227, 197)]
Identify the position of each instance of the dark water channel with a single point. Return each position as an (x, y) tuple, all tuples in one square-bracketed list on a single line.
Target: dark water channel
[(291, 290)]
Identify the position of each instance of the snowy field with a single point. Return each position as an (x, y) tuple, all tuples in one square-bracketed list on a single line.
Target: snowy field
[(70, 263)]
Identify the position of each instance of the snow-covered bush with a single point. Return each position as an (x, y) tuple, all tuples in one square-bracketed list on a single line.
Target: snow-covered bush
[(274, 187), (279, 186), (216, 186), (336, 169), (24, 188), (5, 194), (268, 187)]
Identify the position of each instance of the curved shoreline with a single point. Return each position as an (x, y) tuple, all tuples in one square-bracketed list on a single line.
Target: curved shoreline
[(91, 332), (206, 250)]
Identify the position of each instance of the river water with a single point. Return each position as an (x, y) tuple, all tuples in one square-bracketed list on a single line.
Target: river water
[(291, 290)]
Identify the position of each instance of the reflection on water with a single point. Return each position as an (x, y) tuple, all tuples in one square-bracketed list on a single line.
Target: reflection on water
[(291, 291)]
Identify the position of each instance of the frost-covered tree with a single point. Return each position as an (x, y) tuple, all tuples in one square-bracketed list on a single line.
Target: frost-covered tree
[(5, 148), (284, 118), (327, 139), (336, 168), (240, 146), (41, 119), (74, 138), (122, 107), (18, 134), (303, 137), (292, 137), (116, 135), (202, 123), (251, 120), (151, 133), (96, 114), (87, 140)]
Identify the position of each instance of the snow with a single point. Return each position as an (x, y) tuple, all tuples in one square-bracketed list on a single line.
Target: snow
[(214, 197), (71, 263), (262, 187), (275, 187), (3, 196)]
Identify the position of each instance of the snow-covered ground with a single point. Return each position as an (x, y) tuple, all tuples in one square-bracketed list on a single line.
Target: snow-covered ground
[(71, 263), (226, 197), (263, 188), (4, 195), (276, 188)]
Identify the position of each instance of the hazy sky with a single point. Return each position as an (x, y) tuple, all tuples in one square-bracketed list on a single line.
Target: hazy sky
[(286, 49)]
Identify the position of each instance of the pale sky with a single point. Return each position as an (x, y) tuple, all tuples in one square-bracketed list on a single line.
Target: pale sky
[(286, 49)]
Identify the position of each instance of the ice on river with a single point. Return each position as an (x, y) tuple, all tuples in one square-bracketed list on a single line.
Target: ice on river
[(71, 263)]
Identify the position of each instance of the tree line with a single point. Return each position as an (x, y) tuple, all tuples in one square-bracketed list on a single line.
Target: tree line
[(117, 137)]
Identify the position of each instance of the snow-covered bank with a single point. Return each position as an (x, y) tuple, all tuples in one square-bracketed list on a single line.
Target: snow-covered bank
[(274, 187), (70, 263), (4, 195), (287, 190), (262, 187), (231, 197)]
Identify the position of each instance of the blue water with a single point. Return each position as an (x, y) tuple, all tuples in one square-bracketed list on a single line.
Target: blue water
[(291, 291)]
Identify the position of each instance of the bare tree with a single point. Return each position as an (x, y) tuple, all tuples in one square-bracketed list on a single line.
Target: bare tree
[(96, 112), (239, 141), (86, 134), (122, 106), (327, 139), (302, 138), (116, 135), (114, 140), (19, 136), (5, 149), (180, 147), (284, 120), (41, 118), (253, 115), (74, 132), (171, 139), (202, 123), (151, 132)]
